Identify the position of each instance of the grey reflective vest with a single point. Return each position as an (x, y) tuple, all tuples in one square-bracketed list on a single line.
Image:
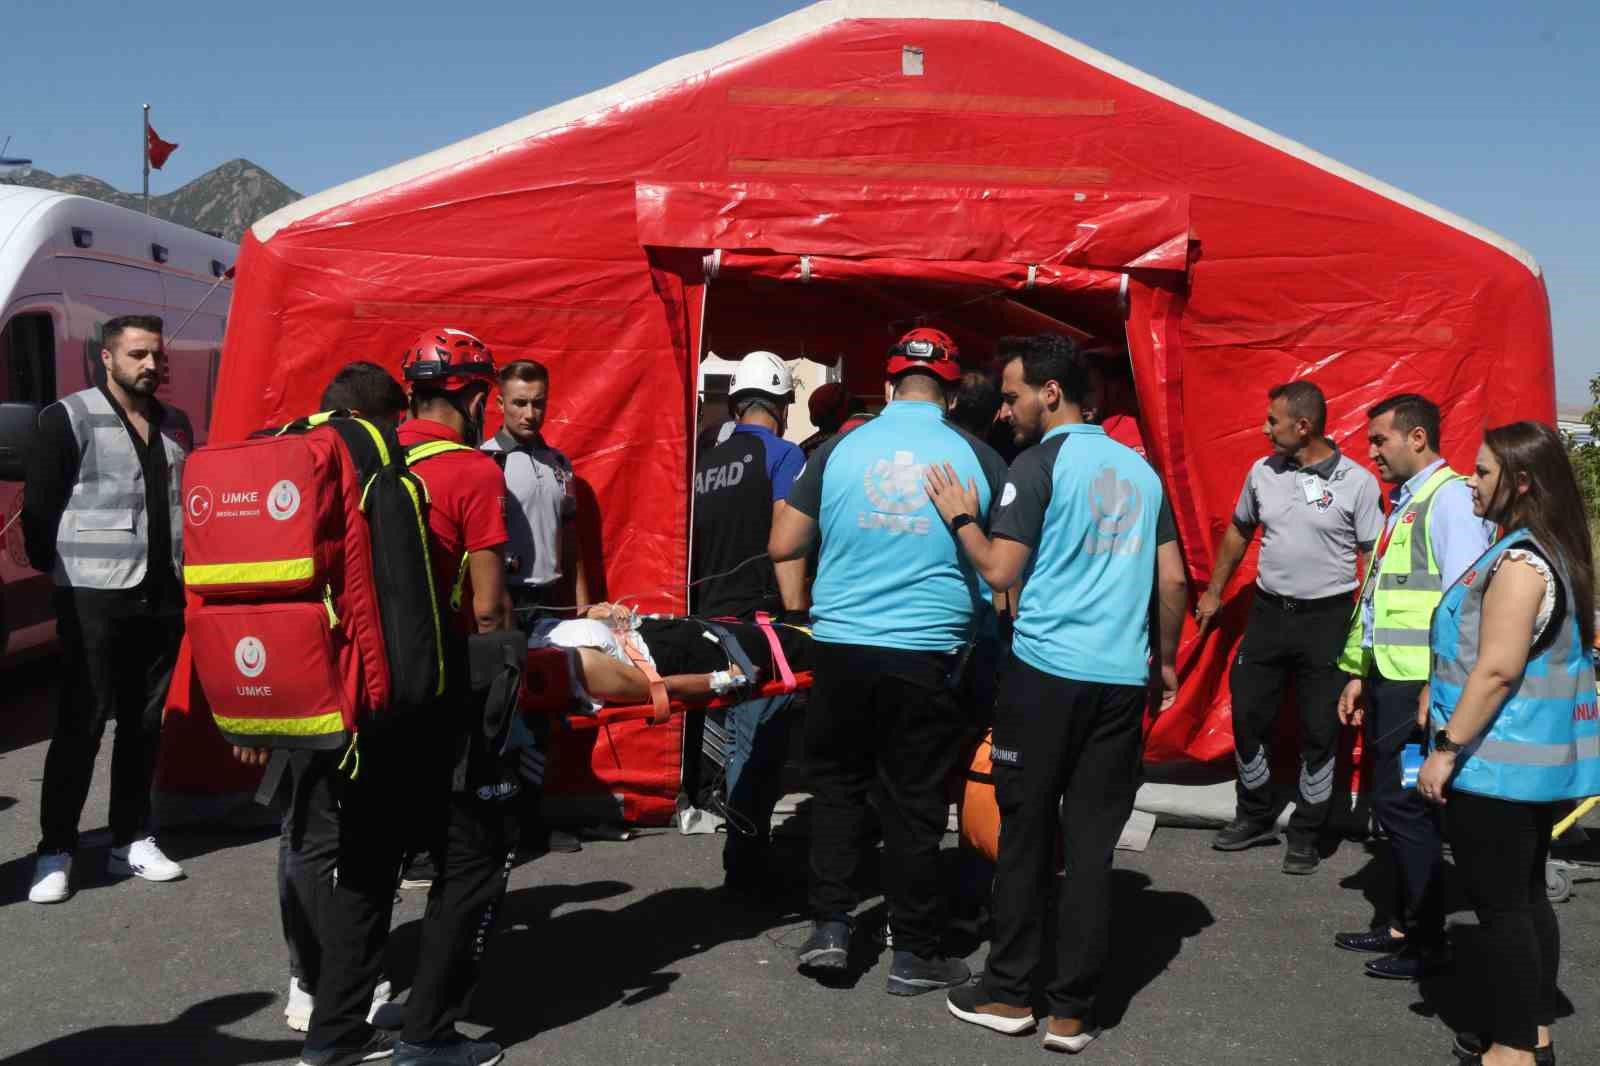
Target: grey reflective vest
[(1543, 744), (103, 540)]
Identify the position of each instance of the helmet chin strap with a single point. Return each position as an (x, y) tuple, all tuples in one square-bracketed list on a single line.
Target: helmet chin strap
[(472, 428)]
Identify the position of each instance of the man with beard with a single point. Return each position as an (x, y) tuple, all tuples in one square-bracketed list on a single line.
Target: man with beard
[(102, 516), (1082, 525)]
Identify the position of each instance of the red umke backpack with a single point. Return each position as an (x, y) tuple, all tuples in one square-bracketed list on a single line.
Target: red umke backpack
[(312, 605)]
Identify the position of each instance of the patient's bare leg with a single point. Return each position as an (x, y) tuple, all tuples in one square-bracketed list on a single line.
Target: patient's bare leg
[(606, 679)]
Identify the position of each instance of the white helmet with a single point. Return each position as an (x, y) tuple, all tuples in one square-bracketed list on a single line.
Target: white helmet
[(763, 373)]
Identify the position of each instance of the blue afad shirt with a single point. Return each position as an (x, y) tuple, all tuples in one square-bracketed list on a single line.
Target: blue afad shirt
[(1088, 507), (890, 573)]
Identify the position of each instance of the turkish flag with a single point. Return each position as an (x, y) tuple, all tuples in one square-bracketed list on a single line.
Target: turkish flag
[(155, 148)]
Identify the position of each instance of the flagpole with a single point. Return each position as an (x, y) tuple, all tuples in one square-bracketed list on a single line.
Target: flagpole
[(144, 151)]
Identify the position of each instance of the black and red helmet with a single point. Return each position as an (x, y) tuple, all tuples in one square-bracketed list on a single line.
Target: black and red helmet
[(448, 360), (926, 349)]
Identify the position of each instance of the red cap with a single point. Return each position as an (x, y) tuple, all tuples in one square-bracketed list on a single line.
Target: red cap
[(926, 349)]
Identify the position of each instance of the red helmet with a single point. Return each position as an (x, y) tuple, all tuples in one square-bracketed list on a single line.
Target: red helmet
[(926, 349), (448, 360)]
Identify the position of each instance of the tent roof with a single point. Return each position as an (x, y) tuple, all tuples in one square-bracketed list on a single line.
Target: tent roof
[(807, 21)]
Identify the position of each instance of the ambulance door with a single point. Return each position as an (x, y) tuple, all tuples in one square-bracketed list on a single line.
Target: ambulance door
[(28, 349)]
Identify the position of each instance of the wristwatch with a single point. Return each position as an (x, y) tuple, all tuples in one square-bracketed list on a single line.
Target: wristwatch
[(1442, 742), (961, 520)]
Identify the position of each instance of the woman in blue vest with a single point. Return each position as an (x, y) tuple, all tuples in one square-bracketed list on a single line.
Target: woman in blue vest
[(1512, 699)]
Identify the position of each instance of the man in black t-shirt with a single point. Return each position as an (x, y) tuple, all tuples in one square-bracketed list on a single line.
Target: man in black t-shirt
[(740, 484)]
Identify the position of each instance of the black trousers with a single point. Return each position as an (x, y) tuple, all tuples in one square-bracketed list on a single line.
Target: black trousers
[(1416, 838), (1500, 848), (885, 721), (1067, 757), (1282, 644), (401, 801), (118, 654), (308, 857)]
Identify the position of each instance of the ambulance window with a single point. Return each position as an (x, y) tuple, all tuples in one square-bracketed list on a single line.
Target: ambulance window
[(28, 352)]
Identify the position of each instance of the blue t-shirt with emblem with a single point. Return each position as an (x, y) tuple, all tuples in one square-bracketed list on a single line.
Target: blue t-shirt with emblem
[(1089, 508), (889, 572)]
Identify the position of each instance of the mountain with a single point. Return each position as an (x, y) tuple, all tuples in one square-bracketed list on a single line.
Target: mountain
[(226, 200)]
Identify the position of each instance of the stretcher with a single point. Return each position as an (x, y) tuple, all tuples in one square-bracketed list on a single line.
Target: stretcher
[(611, 714), (547, 689)]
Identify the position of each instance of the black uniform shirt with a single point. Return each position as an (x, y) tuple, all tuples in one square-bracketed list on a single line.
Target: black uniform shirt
[(736, 482)]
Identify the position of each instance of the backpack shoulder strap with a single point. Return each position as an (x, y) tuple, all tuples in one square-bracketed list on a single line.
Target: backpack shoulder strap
[(428, 449), (419, 453)]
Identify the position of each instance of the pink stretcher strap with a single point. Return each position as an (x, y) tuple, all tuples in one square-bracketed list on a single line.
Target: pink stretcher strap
[(658, 688), (785, 675)]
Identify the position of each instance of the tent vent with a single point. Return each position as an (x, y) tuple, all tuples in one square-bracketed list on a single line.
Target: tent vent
[(911, 61), (1033, 276), (805, 268)]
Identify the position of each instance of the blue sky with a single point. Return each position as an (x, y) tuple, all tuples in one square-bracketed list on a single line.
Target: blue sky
[(1491, 110)]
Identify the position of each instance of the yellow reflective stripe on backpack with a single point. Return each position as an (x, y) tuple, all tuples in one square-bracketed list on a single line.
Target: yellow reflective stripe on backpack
[(318, 725), (274, 572), (377, 438)]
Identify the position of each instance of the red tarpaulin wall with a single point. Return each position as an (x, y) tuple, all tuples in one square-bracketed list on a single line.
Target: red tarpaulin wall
[(952, 133)]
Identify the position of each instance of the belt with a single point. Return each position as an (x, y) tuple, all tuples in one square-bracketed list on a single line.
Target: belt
[(1289, 603)]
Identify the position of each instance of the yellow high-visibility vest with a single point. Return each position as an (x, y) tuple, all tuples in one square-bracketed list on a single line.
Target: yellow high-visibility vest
[(1409, 588)]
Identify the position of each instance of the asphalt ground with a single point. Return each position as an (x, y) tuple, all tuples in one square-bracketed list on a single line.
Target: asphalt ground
[(630, 953)]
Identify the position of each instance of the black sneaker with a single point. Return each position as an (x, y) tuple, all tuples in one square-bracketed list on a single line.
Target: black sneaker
[(1301, 858), (912, 975), (828, 948), (1376, 941), (455, 1050), (1243, 833), (1411, 963), (970, 1005), (417, 871), (1469, 1048), (563, 842), (379, 1045)]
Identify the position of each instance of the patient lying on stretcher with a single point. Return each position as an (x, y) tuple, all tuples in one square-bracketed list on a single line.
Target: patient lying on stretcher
[(697, 659)]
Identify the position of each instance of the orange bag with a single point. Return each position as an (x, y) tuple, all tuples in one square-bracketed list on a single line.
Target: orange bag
[(978, 813)]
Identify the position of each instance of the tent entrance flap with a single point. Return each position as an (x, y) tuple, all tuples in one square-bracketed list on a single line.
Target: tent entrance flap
[(1102, 229)]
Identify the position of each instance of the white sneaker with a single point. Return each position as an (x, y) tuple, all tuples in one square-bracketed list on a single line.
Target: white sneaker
[(383, 1014), (143, 859), (1070, 1044), (52, 878), (297, 1012)]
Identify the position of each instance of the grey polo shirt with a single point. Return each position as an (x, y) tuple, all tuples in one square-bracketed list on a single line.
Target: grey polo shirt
[(1314, 520), (541, 497)]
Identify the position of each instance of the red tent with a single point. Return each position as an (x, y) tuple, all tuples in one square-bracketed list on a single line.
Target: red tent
[(816, 185)]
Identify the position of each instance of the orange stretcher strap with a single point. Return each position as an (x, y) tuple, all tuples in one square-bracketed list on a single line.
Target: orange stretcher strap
[(640, 712), (785, 675), (659, 701)]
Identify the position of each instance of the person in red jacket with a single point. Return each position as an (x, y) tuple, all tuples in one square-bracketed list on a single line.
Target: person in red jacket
[(429, 781)]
